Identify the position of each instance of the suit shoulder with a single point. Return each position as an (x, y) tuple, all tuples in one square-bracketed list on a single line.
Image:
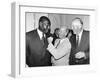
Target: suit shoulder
[(30, 33), (86, 32)]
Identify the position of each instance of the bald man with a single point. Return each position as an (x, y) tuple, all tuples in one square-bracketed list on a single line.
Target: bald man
[(60, 51)]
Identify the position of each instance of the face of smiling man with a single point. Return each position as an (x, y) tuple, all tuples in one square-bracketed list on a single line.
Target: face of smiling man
[(63, 31), (44, 26)]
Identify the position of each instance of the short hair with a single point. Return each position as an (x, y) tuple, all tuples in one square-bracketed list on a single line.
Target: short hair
[(44, 18), (77, 18), (56, 29)]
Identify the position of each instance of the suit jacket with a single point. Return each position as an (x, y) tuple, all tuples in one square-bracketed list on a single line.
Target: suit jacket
[(36, 53), (83, 46), (61, 52)]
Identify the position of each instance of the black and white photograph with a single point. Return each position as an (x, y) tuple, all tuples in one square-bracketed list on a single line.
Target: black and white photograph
[(50, 40), (54, 39)]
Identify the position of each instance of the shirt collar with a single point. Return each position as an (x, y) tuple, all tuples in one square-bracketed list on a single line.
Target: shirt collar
[(40, 33), (80, 34)]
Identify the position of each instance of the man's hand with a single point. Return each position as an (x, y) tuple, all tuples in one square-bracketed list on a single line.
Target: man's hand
[(80, 55), (50, 39)]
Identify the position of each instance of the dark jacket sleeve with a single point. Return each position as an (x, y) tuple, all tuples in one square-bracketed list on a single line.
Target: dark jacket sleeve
[(87, 51), (27, 49)]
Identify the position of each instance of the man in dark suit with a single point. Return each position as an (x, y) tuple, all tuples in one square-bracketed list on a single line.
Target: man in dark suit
[(80, 44), (36, 44)]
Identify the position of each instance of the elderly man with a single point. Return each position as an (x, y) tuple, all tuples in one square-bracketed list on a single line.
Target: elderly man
[(61, 50), (80, 43)]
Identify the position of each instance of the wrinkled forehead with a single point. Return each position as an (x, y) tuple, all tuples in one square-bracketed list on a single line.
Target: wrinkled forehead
[(63, 29)]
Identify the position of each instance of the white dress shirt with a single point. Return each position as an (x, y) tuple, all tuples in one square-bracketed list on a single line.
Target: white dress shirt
[(40, 34), (79, 35)]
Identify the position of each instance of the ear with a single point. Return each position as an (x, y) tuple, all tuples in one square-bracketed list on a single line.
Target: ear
[(40, 23)]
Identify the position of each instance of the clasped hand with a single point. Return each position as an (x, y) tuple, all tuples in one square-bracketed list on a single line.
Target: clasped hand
[(80, 55), (50, 39)]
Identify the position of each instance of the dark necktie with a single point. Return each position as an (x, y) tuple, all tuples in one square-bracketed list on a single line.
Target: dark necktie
[(43, 39), (77, 40)]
